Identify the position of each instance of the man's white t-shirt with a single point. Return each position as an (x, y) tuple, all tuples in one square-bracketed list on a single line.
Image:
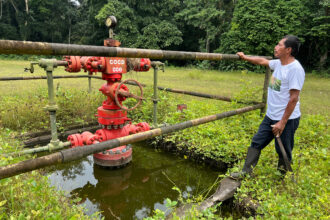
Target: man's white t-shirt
[(284, 78)]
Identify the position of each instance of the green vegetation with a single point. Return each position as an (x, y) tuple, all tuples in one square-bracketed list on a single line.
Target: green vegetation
[(252, 26), (29, 196), (314, 93), (258, 25), (22, 102), (75, 106), (308, 197), (226, 140)]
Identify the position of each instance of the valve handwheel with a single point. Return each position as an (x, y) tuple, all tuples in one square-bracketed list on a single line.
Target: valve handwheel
[(128, 95)]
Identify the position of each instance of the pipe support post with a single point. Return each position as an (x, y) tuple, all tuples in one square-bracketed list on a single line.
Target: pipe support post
[(156, 65)]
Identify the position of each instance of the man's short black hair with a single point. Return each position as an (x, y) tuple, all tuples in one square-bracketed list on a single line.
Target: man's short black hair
[(293, 42)]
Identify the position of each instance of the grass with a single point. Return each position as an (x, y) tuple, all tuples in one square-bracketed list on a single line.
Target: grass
[(227, 139), (12, 68), (315, 96)]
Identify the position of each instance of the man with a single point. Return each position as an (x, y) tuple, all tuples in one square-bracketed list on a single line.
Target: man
[(283, 113)]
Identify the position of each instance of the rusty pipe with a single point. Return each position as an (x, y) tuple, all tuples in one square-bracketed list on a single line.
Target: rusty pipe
[(40, 149), (46, 138), (203, 95), (80, 152), (40, 77), (41, 48), (197, 94)]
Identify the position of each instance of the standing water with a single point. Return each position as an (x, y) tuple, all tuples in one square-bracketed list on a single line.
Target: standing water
[(134, 191)]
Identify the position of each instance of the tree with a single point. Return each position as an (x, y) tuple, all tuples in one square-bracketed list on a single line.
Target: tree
[(127, 29), (225, 26), (85, 28), (206, 16), (320, 34), (160, 35), (257, 26), (8, 26), (140, 24), (14, 15)]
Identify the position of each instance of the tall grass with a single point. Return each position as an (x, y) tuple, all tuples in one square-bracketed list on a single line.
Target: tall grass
[(26, 112)]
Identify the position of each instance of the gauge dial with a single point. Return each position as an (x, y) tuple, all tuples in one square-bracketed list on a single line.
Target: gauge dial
[(111, 21)]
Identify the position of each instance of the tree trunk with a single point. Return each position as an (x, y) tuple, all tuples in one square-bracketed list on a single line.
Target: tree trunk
[(0, 9), (14, 6), (27, 6), (26, 18), (70, 31), (207, 45), (323, 57)]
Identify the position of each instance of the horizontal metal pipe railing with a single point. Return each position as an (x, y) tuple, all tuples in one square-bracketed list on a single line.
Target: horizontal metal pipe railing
[(40, 77), (39, 149), (43, 139), (203, 95), (81, 152), (197, 94), (42, 48)]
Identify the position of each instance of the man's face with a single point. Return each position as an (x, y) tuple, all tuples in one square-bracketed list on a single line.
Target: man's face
[(280, 50)]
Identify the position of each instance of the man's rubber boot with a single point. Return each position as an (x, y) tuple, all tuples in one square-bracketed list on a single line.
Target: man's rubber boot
[(251, 161)]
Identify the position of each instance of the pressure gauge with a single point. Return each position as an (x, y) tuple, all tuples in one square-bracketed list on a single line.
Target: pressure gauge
[(111, 21)]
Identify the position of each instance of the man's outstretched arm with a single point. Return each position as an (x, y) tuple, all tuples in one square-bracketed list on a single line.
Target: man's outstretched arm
[(255, 60)]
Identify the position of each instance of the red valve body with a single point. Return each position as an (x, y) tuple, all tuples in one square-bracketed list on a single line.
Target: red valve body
[(114, 157), (108, 65), (112, 118)]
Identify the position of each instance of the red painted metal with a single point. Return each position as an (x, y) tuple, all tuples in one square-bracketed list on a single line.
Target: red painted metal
[(109, 89), (116, 65), (145, 65), (180, 107), (74, 64), (121, 92), (111, 115), (117, 156)]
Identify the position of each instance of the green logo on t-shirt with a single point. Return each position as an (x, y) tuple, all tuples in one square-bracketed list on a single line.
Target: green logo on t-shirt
[(275, 84)]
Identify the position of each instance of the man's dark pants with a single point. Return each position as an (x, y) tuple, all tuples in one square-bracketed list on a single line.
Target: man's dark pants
[(265, 135)]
